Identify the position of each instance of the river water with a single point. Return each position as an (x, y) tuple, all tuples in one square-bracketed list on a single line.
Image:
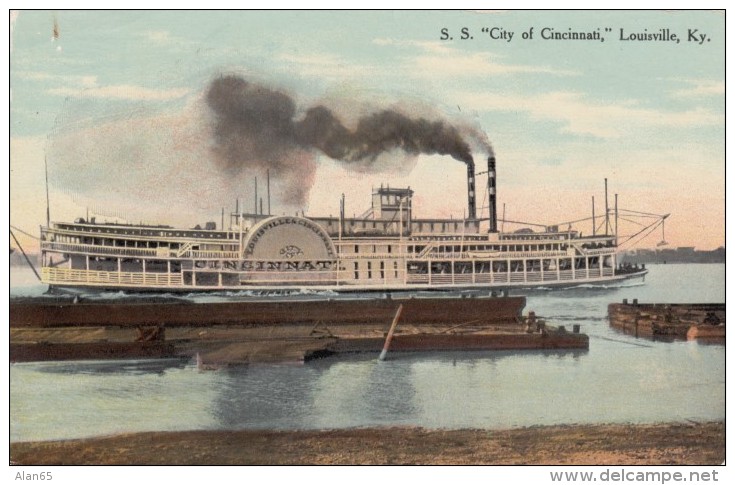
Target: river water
[(620, 379)]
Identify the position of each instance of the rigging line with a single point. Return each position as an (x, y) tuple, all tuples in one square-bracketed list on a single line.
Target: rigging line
[(650, 214), (647, 234), (25, 255), (600, 227), (631, 221), (574, 222), (642, 216), (25, 233), (483, 206), (649, 228), (652, 228), (526, 223)]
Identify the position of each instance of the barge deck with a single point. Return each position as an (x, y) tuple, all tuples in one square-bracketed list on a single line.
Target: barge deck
[(221, 334), (669, 321)]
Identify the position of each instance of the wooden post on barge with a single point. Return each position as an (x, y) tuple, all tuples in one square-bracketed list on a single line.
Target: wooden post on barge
[(390, 333)]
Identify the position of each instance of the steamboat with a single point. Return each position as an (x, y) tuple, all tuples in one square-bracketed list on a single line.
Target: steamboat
[(385, 249)]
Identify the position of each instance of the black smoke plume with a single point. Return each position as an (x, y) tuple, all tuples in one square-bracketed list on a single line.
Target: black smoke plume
[(256, 126)]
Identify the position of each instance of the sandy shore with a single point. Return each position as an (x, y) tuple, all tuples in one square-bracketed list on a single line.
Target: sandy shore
[(676, 443)]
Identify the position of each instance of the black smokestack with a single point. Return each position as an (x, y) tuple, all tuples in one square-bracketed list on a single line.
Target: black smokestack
[(493, 216), (256, 126), (471, 199)]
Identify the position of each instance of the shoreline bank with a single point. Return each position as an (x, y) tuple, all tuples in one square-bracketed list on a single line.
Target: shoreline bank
[(687, 443)]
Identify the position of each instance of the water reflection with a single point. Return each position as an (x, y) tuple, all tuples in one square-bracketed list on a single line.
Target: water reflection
[(117, 367), (264, 396)]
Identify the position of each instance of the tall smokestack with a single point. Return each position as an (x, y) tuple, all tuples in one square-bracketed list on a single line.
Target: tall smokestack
[(471, 203), (492, 206)]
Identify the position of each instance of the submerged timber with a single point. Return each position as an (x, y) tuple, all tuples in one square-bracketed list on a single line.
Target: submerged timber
[(385, 249)]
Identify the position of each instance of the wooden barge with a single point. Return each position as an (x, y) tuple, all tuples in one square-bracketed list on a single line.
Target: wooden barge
[(272, 330), (669, 321)]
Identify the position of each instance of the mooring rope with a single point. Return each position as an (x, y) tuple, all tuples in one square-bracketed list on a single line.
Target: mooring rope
[(25, 255)]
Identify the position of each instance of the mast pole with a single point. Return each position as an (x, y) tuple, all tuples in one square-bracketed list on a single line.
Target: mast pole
[(607, 211), (341, 216), (242, 217), (48, 213), (616, 220), (594, 221), (502, 226)]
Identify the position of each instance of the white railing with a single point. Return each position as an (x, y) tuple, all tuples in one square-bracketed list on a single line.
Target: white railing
[(515, 255), (316, 277), (417, 279), (97, 249), (199, 254), (533, 276), (145, 233), (161, 252), (360, 256), (592, 252), (484, 278), (475, 255), (100, 278), (517, 277), (61, 276), (500, 278)]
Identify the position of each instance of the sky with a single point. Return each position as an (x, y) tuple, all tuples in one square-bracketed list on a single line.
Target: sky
[(118, 106)]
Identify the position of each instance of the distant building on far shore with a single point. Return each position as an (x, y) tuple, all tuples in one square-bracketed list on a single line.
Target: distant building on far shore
[(673, 255)]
